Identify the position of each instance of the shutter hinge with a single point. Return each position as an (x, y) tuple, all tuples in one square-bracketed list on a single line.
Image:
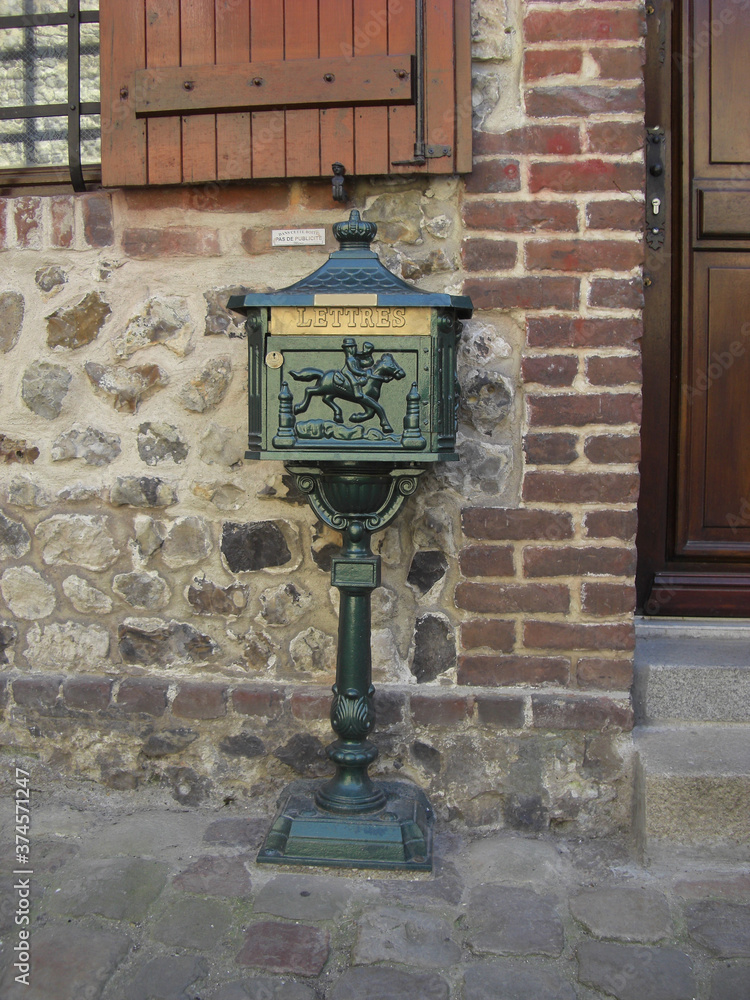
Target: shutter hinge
[(421, 155)]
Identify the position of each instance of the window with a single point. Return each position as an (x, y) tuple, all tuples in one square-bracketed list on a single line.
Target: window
[(49, 77)]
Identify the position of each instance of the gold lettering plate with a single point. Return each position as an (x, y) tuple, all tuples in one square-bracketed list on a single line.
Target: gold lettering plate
[(299, 320)]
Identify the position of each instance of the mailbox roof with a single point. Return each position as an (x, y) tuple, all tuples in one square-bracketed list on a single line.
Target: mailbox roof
[(353, 270)]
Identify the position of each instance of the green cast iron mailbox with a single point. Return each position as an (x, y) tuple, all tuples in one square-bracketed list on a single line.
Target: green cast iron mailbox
[(352, 384)]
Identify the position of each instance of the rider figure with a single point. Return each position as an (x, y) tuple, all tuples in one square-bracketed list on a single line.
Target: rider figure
[(357, 364)]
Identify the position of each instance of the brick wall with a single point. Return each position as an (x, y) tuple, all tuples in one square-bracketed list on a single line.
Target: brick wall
[(139, 649)]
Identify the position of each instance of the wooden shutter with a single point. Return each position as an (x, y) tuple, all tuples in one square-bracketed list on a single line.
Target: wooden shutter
[(215, 90)]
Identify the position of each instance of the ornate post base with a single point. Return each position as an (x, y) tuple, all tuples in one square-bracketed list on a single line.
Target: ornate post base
[(351, 821)]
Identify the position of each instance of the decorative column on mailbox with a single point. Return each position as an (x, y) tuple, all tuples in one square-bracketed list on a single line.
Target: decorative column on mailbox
[(352, 384)]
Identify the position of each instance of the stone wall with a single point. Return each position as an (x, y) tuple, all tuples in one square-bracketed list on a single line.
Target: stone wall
[(167, 617)]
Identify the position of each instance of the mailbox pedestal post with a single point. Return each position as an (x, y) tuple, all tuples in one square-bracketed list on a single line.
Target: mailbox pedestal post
[(352, 384)]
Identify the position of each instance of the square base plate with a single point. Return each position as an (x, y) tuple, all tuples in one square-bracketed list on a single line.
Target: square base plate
[(398, 836)]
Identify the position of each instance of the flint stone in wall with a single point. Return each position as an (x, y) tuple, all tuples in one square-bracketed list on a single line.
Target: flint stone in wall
[(27, 593), (385, 602), (313, 651), (95, 447), (11, 320), (427, 756), (168, 742), (491, 33), (77, 540), (440, 226), (23, 493), (284, 604), (224, 496), (50, 277), (386, 661), (223, 445), (259, 650), (282, 487), (126, 387), (486, 399), (167, 644), (219, 319), (484, 468), (208, 598), (427, 568), (188, 541), (82, 493), (44, 387), (84, 597), (149, 534), (398, 217), (482, 344), (485, 94), (305, 755), (207, 389), (8, 636), (79, 325), (70, 646), (142, 491), (163, 320), (15, 540), (326, 543), (434, 648), (434, 262), (14, 450), (242, 745), (144, 590), (160, 442), (250, 547)]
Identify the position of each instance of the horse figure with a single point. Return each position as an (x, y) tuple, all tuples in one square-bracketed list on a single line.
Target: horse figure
[(333, 385)]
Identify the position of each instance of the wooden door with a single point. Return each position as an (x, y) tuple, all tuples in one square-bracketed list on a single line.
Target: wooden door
[(694, 516)]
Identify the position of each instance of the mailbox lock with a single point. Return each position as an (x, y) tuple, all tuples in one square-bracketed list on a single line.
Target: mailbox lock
[(274, 359)]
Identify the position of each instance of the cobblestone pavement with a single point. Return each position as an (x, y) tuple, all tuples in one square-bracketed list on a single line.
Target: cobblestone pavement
[(132, 899)]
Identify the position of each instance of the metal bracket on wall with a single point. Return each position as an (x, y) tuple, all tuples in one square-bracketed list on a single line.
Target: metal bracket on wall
[(656, 202)]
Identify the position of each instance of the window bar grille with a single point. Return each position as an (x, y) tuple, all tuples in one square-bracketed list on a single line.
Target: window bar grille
[(73, 110)]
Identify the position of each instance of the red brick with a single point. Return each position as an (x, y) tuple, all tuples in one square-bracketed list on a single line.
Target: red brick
[(579, 410), (615, 137), (91, 693), (521, 216), (486, 560), (495, 176), (613, 449), (488, 255), (572, 635), (217, 197), (28, 219), (615, 370), (611, 524), (575, 25), (607, 675), (581, 487), (524, 292), (499, 523), (314, 704), (62, 215), (489, 634), (555, 140), (153, 244), (440, 709), (571, 560), (619, 63), (567, 102), (551, 369), (616, 293), (148, 697), (550, 449), (389, 707), (38, 693), (583, 255), (607, 598), (579, 712), (504, 671), (257, 701), (197, 700), (585, 176), (626, 215), (501, 711), (539, 63), (495, 598), (554, 331), (98, 222)]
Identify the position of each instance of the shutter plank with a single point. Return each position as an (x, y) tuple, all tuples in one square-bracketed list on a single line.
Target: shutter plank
[(123, 50), (440, 81), (336, 124), (402, 119), (371, 124), (163, 49), (268, 127), (462, 157), (233, 130), (198, 48), (302, 127)]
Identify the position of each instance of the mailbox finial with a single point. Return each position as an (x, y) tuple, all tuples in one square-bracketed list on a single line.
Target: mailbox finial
[(355, 233)]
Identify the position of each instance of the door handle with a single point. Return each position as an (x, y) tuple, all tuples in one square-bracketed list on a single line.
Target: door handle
[(655, 187)]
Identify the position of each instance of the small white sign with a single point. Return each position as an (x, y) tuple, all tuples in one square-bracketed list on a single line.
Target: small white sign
[(298, 237)]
